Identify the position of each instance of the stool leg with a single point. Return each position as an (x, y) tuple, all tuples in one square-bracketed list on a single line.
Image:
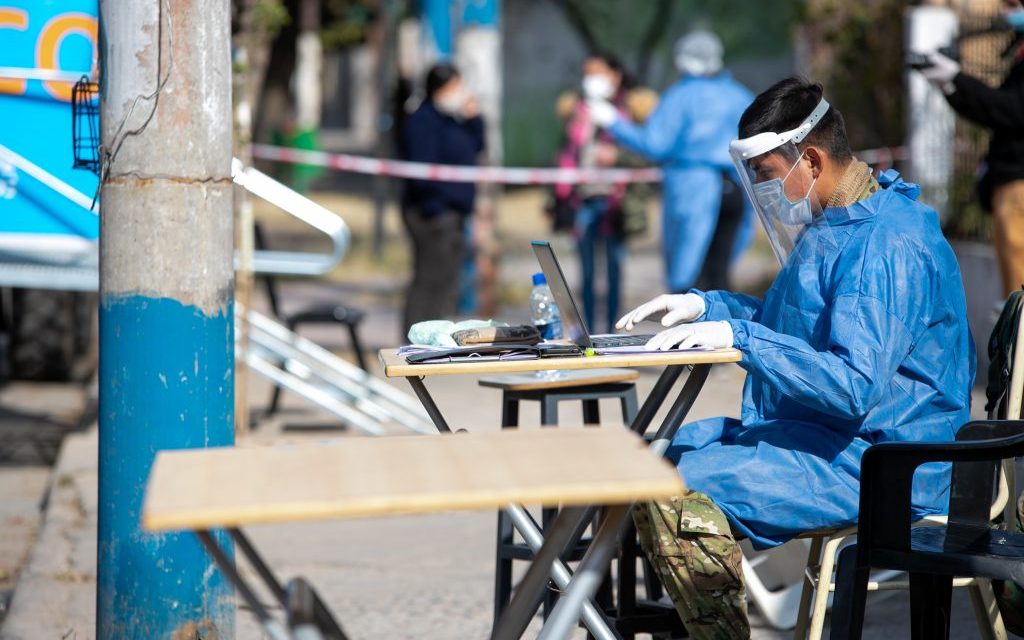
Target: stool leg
[(357, 346), (548, 411), (591, 412), (275, 399), (509, 412), (629, 407)]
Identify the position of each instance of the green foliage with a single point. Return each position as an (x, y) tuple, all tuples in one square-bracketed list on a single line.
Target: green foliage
[(858, 56), (269, 17), (639, 31), (348, 22)]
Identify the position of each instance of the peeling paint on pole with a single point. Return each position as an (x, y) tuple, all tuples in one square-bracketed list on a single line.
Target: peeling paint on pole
[(166, 316)]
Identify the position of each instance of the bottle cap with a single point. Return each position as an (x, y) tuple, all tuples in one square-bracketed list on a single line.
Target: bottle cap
[(538, 278)]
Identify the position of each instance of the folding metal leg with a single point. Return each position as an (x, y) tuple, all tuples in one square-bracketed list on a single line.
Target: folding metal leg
[(308, 617), (273, 627), (588, 575), (592, 617), (428, 403), (531, 589)]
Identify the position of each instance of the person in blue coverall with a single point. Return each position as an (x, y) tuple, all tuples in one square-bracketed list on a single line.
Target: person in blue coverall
[(704, 222), (862, 338)]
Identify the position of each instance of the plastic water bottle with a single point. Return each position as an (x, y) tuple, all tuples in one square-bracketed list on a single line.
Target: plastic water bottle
[(544, 312)]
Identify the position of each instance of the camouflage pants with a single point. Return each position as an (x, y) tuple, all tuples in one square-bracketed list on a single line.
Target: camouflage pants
[(690, 544)]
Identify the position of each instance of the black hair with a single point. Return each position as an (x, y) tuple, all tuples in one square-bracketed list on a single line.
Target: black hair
[(439, 75), (615, 64), (785, 104)]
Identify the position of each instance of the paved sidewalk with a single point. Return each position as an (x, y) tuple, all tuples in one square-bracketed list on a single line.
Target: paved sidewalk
[(423, 577)]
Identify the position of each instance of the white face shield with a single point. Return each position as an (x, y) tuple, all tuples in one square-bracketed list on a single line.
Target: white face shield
[(768, 165)]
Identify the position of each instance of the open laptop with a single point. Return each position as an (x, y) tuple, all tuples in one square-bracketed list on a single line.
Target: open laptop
[(573, 326)]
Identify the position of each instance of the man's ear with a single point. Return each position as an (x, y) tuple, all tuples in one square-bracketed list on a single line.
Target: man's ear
[(816, 158)]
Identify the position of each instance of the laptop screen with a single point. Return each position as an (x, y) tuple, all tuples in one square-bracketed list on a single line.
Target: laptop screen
[(572, 322)]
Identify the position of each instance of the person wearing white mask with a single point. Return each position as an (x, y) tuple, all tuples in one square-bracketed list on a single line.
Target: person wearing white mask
[(445, 129), (705, 223), (862, 338), (601, 216)]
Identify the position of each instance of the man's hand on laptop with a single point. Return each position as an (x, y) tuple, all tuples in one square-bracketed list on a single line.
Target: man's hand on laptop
[(680, 307), (711, 335)]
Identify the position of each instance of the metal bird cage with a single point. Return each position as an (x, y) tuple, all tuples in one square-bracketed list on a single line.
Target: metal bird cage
[(85, 125)]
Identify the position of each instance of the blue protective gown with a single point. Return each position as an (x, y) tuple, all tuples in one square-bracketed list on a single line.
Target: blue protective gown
[(864, 342), (688, 135)]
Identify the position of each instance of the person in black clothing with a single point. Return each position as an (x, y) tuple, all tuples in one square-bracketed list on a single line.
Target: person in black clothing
[(445, 129), (1001, 187)]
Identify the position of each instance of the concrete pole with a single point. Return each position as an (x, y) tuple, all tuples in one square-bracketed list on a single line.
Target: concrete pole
[(166, 332)]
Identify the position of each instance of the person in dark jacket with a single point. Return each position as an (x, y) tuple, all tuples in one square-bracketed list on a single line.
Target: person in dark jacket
[(1002, 110), (445, 129)]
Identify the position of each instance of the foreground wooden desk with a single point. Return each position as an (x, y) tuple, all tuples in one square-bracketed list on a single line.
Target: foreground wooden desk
[(673, 363), (201, 490)]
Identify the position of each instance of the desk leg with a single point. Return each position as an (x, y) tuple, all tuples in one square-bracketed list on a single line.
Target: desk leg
[(681, 407), (588, 575), (428, 403), (243, 544), (273, 628), (594, 619), (656, 398), (530, 592)]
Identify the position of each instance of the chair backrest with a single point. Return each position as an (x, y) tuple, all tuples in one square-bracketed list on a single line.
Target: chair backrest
[(1006, 354), (973, 482), (1006, 390), (1015, 394)]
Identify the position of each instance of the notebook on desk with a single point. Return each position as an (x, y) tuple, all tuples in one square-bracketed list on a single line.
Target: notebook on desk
[(417, 354)]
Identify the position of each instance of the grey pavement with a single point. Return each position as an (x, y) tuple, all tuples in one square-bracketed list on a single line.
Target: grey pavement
[(402, 577)]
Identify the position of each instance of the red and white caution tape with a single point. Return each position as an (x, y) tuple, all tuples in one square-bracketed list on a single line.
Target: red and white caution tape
[(453, 173), (500, 175)]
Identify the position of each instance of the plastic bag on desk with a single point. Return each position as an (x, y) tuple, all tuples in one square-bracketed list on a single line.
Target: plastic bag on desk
[(438, 333)]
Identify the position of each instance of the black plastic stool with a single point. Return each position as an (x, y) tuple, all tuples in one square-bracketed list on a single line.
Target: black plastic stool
[(587, 386)]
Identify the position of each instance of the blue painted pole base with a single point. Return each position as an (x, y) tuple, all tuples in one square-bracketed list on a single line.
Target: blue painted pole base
[(166, 382)]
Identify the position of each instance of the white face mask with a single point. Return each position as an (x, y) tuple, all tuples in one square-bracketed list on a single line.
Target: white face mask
[(452, 103), (597, 86), (771, 196)]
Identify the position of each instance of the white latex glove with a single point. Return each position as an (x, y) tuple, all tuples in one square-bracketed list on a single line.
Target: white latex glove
[(602, 112), (678, 307), (713, 335), (941, 72)]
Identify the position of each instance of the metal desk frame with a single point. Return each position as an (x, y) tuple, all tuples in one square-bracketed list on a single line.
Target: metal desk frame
[(577, 602)]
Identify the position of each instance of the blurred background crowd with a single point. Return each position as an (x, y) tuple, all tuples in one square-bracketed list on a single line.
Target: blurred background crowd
[(517, 81)]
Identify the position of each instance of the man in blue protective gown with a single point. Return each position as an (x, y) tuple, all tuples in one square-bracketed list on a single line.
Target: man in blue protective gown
[(705, 224), (862, 338)]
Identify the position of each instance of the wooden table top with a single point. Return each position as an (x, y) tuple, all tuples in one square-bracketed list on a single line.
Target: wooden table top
[(395, 366), (355, 477)]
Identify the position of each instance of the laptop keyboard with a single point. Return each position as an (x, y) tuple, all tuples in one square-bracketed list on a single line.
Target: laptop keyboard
[(604, 342)]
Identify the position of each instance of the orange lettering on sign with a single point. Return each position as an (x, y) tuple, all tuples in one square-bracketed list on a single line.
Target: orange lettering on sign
[(50, 40), (11, 18)]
